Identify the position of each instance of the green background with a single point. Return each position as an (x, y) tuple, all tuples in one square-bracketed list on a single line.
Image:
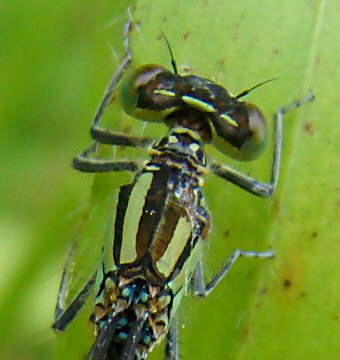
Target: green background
[(55, 61)]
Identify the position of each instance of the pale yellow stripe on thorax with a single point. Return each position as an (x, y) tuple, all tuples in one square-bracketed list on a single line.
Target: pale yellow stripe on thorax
[(133, 215), (166, 263), (180, 283), (183, 277)]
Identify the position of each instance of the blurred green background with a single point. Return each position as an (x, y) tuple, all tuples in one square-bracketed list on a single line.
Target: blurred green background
[(55, 61)]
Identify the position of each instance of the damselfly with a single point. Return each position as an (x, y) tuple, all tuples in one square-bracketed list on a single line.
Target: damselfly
[(161, 221)]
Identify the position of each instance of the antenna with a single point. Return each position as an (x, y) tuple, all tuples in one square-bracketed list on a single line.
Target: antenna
[(173, 61), (246, 92)]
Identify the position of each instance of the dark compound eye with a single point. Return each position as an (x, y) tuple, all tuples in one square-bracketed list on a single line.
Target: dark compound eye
[(147, 93), (242, 135)]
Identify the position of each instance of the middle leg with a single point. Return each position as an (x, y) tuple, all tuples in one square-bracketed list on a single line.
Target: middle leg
[(85, 163), (201, 289)]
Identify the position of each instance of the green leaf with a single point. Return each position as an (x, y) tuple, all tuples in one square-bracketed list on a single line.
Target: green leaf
[(265, 309), (56, 67)]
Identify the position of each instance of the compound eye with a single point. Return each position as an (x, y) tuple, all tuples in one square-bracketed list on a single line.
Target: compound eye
[(246, 140), (139, 92)]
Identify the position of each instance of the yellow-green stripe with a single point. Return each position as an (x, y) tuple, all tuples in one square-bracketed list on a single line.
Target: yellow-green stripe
[(132, 217), (167, 262)]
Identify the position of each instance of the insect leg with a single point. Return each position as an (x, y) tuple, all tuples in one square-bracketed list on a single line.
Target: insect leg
[(106, 136), (250, 184), (118, 74), (201, 289), (63, 316), (171, 349), (87, 164)]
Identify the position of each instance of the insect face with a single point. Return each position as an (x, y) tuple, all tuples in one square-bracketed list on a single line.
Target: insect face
[(236, 128)]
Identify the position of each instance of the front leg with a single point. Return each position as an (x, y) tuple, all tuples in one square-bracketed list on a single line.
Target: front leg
[(118, 74), (105, 136), (250, 184)]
